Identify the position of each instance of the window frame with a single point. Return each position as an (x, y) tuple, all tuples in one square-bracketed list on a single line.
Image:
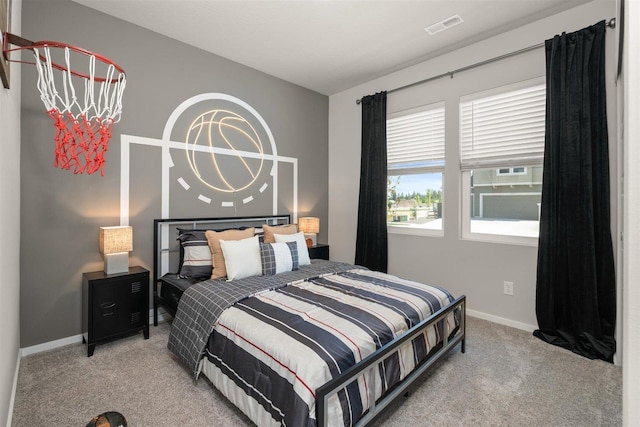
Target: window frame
[(465, 174), (408, 229)]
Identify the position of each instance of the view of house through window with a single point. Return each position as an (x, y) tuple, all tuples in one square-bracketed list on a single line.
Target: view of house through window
[(415, 159), (502, 149), (505, 203)]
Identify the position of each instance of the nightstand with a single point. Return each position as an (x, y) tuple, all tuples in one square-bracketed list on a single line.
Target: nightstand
[(319, 251), (114, 305)]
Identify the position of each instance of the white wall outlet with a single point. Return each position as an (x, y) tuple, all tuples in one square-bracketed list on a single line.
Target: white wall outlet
[(508, 288)]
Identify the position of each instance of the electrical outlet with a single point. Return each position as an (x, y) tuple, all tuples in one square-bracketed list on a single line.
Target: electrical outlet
[(508, 288)]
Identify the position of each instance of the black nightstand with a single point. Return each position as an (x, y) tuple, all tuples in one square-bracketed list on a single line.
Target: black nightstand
[(114, 306), (319, 251)]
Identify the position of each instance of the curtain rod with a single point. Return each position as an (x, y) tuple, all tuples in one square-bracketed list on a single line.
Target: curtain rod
[(611, 23)]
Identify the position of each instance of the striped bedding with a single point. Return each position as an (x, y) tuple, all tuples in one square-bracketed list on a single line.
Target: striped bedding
[(269, 353), (202, 304)]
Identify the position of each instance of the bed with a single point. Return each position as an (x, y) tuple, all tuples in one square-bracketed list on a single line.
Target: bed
[(326, 343)]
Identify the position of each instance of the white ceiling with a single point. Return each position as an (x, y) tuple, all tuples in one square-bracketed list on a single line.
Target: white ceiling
[(328, 45)]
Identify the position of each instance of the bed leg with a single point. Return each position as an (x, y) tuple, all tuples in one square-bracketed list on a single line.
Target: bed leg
[(462, 345), (155, 312), (406, 394)]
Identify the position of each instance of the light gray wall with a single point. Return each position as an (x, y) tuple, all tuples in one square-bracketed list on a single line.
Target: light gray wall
[(10, 229), (477, 269), (61, 212), (630, 98)]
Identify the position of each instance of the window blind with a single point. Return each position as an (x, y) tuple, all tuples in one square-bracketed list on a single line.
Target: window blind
[(415, 142), (505, 129)]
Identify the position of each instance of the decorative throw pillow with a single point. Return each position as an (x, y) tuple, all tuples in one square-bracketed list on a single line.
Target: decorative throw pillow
[(303, 251), (279, 257), (196, 255), (270, 230), (242, 257), (214, 237)]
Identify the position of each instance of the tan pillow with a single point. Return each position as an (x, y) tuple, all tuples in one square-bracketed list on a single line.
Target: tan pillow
[(217, 258), (270, 230)]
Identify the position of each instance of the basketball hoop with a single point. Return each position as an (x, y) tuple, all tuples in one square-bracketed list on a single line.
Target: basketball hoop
[(83, 116)]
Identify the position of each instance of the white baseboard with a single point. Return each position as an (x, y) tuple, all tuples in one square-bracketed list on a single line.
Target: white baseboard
[(50, 345), (163, 316), (14, 390), (502, 320)]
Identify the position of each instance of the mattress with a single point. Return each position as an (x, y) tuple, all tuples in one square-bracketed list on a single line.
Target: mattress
[(171, 289)]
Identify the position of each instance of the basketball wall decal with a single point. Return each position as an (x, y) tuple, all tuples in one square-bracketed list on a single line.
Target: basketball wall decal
[(234, 154)]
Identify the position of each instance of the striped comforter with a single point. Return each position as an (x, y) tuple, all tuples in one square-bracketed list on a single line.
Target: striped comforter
[(202, 304), (269, 353)]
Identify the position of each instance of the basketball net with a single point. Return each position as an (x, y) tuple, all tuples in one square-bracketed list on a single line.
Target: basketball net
[(83, 123)]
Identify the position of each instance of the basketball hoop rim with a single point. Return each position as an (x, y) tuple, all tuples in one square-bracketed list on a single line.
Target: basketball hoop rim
[(24, 44)]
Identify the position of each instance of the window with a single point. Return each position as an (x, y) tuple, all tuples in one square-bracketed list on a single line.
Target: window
[(520, 170), (415, 161), (501, 154)]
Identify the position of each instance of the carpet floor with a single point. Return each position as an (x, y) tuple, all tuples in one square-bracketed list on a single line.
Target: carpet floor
[(506, 378)]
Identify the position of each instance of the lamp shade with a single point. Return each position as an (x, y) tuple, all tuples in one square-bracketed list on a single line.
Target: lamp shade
[(309, 225), (115, 239)]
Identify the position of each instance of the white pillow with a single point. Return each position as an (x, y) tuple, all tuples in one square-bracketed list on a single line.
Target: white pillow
[(242, 257), (303, 251)]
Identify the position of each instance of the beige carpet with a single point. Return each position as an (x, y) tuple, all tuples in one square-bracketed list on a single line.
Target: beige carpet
[(506, 378)]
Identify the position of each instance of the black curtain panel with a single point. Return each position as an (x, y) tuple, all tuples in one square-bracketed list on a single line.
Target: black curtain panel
[(576, 289), (371, 240)]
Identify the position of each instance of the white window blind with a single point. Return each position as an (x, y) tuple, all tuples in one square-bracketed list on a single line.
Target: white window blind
[(504, 129), (415, 141)]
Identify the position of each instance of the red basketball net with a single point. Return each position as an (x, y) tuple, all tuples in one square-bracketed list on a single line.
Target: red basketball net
[(80, 144), (83, 120)]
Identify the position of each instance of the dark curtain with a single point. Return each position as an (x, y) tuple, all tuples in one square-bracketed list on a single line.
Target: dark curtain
[(576, 289), (371, 240)]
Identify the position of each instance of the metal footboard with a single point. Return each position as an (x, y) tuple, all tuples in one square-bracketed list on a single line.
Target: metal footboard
[(369, 365)]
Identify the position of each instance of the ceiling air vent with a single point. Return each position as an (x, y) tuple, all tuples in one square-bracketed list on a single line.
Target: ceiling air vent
[(444, 24)]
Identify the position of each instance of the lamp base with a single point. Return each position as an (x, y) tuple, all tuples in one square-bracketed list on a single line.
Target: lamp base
[(117, 263), (311, 239)]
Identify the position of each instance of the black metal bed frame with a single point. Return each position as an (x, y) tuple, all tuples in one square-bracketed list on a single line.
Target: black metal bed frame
[(365, 367)]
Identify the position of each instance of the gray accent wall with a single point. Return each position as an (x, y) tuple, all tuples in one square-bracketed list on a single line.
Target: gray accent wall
[(61, 212)]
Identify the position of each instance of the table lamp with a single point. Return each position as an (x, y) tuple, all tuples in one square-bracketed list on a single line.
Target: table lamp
[(310, 226), (115, 245)]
